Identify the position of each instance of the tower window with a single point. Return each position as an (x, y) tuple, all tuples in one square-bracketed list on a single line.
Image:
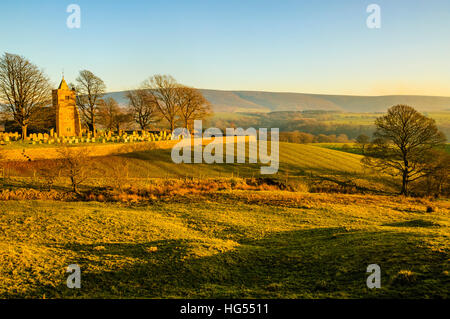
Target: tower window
[(67, 98)]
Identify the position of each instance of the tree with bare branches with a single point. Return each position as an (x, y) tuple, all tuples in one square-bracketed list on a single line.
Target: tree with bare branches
[(107, 112), (24, 89), (143, 108), (90, 89), (404, 140), (123, 119), (193, 105), (111, 115), (163, 89), (75, 164)]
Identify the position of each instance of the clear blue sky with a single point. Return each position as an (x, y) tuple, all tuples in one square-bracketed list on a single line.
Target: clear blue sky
[(279, 45)]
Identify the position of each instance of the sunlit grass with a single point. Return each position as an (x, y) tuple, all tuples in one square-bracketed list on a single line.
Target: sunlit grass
[(209, 240), (239, 244)]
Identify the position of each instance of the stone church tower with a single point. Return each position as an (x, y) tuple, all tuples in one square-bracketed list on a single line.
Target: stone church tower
[(67, 115)]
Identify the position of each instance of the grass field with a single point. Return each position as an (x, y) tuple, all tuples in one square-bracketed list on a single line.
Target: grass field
[(299, 163), (223, 242), (354, 148), (227, 245), (295, 159)]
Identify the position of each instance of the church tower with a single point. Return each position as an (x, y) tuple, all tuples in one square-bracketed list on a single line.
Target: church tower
[(67, 115)]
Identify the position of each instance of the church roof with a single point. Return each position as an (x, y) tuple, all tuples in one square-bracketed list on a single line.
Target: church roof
[(63, 85)]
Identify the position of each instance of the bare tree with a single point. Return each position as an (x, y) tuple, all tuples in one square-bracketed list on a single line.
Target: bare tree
[(75, 164), (193, 105), (123, 119), (143, 108), (24, 89), (49, 173), (403, 141), (111, 115), (107, 112), (90, 90), (163, 89)]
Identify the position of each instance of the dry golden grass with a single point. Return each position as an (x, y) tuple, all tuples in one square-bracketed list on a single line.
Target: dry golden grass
[(145, 227), (228, 244)]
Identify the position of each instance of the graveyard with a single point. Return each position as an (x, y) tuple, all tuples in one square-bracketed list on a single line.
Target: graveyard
[(13, 139)]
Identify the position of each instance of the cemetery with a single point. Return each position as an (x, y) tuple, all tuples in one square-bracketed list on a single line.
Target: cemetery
[(14, 138)]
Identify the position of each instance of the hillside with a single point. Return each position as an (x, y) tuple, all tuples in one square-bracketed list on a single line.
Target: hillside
[(228, 244), (254, 101), (301, 166), (210, 234), (295, 159)]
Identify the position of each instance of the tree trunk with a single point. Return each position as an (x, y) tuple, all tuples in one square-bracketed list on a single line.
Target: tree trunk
[(24, 132), (186, 125), (74, 185), (404, 190), (405, 173), (91, 127), (94, 133)]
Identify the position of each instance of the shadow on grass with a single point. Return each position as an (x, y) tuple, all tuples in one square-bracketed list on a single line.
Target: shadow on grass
[(28, 183), (311, 263), (414, 223)]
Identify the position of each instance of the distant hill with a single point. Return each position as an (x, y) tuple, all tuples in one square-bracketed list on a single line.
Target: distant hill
[(254, 101)]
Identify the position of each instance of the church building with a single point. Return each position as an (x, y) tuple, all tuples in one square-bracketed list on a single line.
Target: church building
[(68, 121)]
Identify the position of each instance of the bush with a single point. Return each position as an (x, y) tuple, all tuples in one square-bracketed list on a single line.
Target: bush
[(75, 164), (49, 174)]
